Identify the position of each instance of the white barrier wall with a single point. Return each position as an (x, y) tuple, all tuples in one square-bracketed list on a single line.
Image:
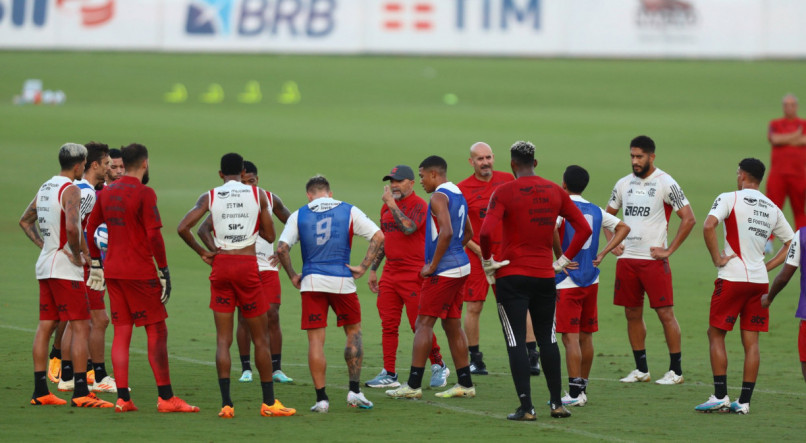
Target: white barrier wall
[(586, 28)]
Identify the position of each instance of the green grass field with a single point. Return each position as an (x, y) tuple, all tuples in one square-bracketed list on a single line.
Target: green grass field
[(358, 117)]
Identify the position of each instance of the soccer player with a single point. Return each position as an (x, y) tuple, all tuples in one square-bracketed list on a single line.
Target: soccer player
[(648, 197), (269, 278), (749, 219), (116, 169), (445, 272), (324, 228), (788, 160), (526, 211), (240, 213), (403, 226), (53, 222), (794, 258), (577, 289), (137, 291)]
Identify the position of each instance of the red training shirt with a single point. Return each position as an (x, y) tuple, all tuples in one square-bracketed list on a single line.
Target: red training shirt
[(130, 212), (788, 159), (477, 193), (404, 252), (527, 211)]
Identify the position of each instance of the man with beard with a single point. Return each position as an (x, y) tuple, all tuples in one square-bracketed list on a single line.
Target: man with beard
[(115, 166), (648, 197)]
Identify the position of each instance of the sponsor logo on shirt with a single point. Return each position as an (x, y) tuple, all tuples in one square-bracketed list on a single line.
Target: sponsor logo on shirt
[(751, 201)]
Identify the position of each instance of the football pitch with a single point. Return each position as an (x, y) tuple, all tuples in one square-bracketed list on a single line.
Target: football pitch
[(353, 119)]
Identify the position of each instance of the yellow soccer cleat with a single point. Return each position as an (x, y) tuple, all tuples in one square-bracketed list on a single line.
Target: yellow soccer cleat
[(276, 410), (54, 369), (458, 391)]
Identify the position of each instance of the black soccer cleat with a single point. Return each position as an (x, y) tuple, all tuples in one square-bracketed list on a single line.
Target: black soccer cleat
[(522, 414), (534, 362), (477, 366)]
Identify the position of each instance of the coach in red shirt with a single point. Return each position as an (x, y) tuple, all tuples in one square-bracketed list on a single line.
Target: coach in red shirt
[(787, 175), (527, 209)]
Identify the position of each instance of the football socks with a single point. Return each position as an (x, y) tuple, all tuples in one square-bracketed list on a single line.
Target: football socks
[(245, 364), (276, 362), (464, 377), (40, 384), (720, 386), (354, 387), (268, 392), (640, 360), (675, 360), (416, 377), (81, 389), (747, 392), (223, 385), (321, 395)]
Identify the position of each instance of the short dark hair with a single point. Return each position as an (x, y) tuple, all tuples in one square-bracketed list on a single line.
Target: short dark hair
[(576, 179), (115, 153), (643, 143), (754, 167), (95, 152), (317, 183), (249, 167), (522, 153), (70, 154), (435, 162), (133, 155), (231, 164)]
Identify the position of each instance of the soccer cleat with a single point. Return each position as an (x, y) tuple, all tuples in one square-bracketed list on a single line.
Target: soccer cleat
[(383, 380), (405, 391), (90, 377), (124, 406), (522, 414), (458, 391), (321, 406), (174, 404), (580, 400), (246, 377), (439, 375), (48, 399), (276, 410), (54, 369), (559, 411), (739, 408), (714, 405), (636, 376), (358, 400), (534, 362), (229, 412), (279, 376), (66, 386), (670, 378), (477, 366), (90, 401), (106, 385)]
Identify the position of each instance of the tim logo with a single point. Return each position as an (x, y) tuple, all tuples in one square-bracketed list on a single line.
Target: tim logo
[(246, 18), (666, 14), (751, 201), (35, 12)]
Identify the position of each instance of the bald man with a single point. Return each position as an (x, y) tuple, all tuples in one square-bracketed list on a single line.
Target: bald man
[(787, 175), (477, 190)]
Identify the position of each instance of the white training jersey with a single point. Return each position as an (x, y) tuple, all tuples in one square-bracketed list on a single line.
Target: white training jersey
[(647, 205), (750, 218), (793, 256), (264, 249), (53, 260), (609, 222), (362, 226), (235, 210), (88, 199)]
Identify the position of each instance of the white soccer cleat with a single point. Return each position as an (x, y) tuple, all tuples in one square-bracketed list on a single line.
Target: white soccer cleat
[(636, 376), (358, 400), (405, 391), (321, 406), (739, 408), (714, 405), (580, 400), (670, 378), (106, 385), (246, 377), (66, 385)]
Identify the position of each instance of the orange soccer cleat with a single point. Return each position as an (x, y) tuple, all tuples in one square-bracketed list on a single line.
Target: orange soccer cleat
[(125, 406), (90, 401), (227, 412), (49, 399), (276, 410), (175, 404)]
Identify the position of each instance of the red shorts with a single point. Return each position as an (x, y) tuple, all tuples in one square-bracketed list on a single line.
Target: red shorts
[(732, 299), (576, 310), (442, 297), (314, 309), (636, 276), (235, 282), (476, 286), (63, 300), (96, 298), (135, 301), (802, 341), (270, 280)]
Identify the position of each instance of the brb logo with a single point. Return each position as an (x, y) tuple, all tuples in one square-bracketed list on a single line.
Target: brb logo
[(246, 18), (93, 12)]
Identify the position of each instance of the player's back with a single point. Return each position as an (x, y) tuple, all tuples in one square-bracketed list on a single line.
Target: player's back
[(264, 249), (455, 255), (235, 211), (586, 274), (325, 237), (129, 209), (52, 262)]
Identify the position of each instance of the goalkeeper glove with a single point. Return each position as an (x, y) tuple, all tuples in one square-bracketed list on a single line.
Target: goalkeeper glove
[(165, 281), (96, 279), (490, 266), (561, 263)]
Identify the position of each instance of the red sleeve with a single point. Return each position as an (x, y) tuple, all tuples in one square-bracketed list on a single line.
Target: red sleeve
[(582, 229), (150, 213), (96, 218), (157, 247), (417, 214), (495, 212)]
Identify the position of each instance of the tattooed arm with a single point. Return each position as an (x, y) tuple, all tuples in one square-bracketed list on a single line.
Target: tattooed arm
[(375, 245), (28, 224), (404, 223)]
